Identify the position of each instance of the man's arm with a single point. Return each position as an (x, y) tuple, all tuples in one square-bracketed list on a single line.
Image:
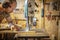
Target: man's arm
[(10, 21)]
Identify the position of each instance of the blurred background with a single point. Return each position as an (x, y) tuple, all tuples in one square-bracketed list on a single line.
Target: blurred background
[(36, 16)]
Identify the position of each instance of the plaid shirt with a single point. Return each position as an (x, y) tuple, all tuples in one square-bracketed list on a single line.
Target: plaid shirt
[(3, 15)]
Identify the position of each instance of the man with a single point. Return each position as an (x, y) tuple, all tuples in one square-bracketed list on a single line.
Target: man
[(7, 7)]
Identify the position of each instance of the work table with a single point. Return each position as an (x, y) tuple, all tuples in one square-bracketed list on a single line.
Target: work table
[(23, 34)]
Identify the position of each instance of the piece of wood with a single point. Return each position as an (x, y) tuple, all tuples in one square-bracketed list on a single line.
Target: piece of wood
[(1, 29)]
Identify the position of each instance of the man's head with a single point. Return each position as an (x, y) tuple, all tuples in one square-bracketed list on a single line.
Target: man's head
[(9, 6)]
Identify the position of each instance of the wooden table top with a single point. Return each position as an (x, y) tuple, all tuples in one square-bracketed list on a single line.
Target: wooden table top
[(6, 31), (24, 34)]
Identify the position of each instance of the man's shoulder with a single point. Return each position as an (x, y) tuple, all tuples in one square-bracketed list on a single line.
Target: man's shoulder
[(1, 9), (5, 14)]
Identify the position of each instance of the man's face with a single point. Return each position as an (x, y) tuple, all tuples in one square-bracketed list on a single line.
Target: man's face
[(10, 9)]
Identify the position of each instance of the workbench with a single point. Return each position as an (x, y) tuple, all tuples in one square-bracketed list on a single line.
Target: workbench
[(17, 35), (31, 35), (7, 35)]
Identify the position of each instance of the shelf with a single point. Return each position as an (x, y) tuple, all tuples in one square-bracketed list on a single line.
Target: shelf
[(20, 19)]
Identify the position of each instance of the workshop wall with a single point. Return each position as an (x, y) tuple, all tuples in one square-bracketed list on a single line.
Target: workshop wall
[(51, 18), (20, 14)]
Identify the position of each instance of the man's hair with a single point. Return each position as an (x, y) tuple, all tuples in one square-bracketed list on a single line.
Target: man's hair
[(6, 5), (11, 1)]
